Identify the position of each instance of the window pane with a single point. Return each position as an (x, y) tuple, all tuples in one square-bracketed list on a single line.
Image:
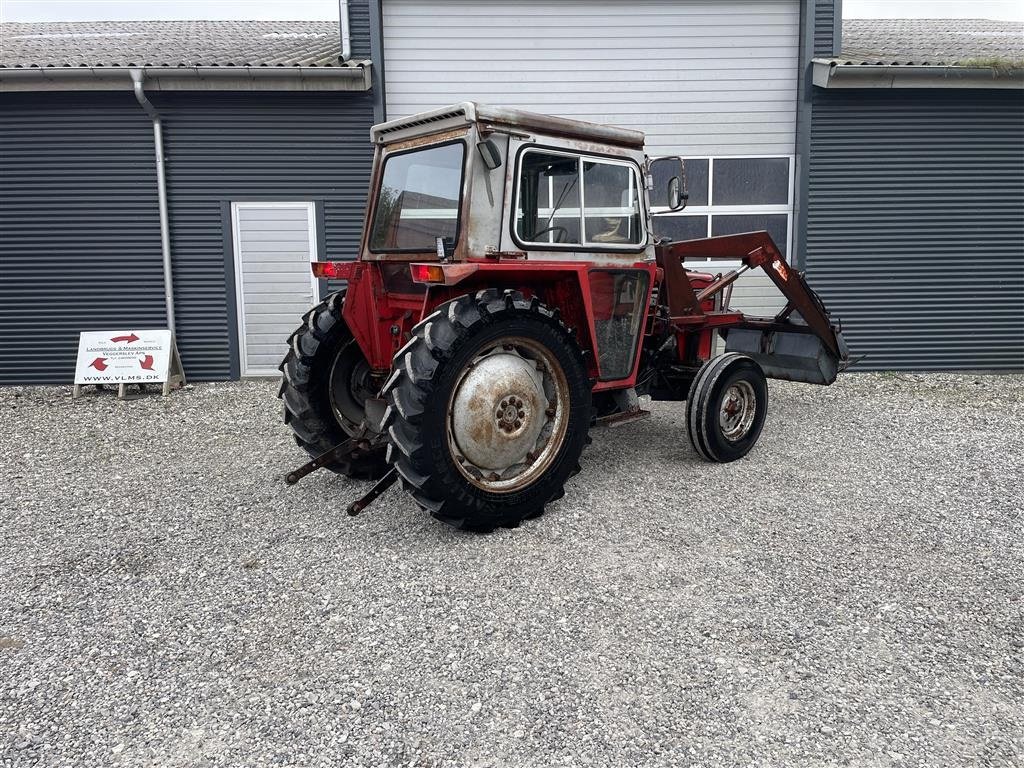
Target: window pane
[(618, 301), (678, 228), (695, 173), (548, 210), (775, 223), (612, 210), (419, 199), (751, 181)]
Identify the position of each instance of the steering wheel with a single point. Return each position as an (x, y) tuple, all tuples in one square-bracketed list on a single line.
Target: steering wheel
[(561, 236)]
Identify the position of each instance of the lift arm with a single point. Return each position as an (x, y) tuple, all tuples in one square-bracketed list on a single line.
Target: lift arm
[(753, 249)]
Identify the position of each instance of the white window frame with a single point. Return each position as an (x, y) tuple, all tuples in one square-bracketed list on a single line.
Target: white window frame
[(582, 210), (710, 210), (236, 246)]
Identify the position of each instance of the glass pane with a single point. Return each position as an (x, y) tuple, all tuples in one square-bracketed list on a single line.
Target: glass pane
[(548, 210), (678, 228), (611, 207), (419, 199), (751, 181), (618, 300), (695, 174), (775, 223)]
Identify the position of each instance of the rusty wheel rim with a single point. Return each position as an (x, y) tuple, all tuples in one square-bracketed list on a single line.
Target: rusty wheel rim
[(737, 412), (507, 415)]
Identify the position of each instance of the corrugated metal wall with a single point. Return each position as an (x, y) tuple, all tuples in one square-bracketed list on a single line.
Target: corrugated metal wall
[(699, 77), (79, 230), (824, 27), (916, 225), (359, 27), (224, 147)]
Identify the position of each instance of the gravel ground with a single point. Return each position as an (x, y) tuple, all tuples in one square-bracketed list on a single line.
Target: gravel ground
[(852, 593)]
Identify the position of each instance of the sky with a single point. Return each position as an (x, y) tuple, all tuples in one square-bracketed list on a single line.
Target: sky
[(311, 10)]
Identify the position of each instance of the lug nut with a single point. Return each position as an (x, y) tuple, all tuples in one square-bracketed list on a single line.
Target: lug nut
[(522, 414), (518, 423)]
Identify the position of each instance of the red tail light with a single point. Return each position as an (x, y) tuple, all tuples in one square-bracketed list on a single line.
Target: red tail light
[(333, 270), (427, 273)]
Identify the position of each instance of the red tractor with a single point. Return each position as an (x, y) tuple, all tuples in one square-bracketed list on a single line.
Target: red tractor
[(509, 293)]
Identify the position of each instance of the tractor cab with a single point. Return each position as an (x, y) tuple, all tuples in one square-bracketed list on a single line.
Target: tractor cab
[(477, 182)]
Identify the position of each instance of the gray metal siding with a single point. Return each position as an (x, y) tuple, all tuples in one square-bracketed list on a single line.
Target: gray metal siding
[(79, 231), (824, 27), (916, 225), (227, 147), (359, 27)]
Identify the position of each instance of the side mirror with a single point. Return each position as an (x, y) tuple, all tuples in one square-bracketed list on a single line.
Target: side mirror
[(489, 153), (667, 182), (676, 196)]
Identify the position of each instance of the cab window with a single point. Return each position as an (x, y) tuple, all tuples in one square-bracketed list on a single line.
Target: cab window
[(567, 199)]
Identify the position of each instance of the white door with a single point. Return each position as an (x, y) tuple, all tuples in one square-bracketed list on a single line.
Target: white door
[(274, 285)]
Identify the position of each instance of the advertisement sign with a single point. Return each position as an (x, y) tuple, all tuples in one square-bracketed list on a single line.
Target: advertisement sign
[(127, 357)]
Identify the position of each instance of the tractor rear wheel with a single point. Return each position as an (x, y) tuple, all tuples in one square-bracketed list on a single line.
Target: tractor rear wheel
[(726, 407), (489, 408), (326, 381)]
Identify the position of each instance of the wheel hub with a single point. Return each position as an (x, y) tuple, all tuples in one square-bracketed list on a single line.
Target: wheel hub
[(507, 415), (493, 417), (512, 413), (737, 412)]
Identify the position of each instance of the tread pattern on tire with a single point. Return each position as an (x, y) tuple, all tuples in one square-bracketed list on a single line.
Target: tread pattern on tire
[(307, 409), (435, 340)]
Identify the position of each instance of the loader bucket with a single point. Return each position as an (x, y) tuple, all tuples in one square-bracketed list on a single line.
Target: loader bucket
[(789, 355)]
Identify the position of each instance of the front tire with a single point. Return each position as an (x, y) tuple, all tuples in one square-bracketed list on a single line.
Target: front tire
[(726, 407), (489, 408)]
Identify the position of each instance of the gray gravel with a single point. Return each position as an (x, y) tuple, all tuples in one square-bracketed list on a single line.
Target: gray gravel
[(850, 594)]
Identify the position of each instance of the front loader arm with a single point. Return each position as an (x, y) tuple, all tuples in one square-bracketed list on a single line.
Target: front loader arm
[(753, 249)]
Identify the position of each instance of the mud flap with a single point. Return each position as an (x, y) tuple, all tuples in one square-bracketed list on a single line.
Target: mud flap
[(789, 355)]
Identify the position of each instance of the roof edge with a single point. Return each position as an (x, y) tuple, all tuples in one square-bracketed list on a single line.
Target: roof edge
[(290, 78), (829, 73), (502, 119)]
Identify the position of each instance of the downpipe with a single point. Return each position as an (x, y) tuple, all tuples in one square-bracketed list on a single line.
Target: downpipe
[(161, 183), (346, 32)]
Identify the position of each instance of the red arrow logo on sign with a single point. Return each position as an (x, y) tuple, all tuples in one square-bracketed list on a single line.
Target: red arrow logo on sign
[(146, 363), (130, 338), (100, 364)]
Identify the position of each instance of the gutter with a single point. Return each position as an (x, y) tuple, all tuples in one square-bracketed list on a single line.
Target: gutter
[(161, 186), (828, 73), (354, 76)]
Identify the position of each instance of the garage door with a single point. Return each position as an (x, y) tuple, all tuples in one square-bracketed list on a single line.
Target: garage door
[(713, 81), (273, 244)]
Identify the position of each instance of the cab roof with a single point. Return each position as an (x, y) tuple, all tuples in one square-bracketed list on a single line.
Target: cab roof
[(501, 118)]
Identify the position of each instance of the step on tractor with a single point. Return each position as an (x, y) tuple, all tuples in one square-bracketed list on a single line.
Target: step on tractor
[(510, 293)]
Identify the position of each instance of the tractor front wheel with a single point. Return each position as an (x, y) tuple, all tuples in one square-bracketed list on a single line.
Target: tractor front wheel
[(489, 407), (726, 407)]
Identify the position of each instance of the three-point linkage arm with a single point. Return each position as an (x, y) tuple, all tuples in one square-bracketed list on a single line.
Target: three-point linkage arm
[(753, 249)]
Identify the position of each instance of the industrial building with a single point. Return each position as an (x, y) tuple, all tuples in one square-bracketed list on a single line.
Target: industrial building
[(886, 158)]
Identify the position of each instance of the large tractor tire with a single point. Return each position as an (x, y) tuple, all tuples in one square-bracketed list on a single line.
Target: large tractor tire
[(726, 407), (489, 408), (325, 382)]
